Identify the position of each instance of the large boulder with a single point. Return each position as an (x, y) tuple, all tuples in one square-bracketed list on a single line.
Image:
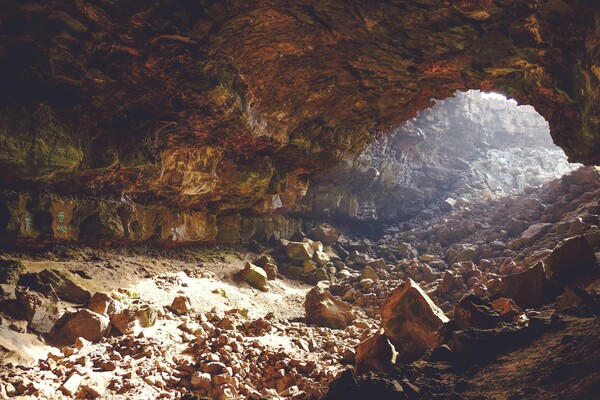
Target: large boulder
[(298, 250), (83, 323), (323, 309), (63, 282), (411, 320), (325, 234), (375, 354), (528, 288), (569, 259), (255, 276), (531, 234)]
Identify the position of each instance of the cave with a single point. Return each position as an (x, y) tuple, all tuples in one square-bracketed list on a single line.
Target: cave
[(299, 199)]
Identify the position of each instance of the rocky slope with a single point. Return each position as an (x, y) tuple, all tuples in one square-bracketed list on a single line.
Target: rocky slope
[(221, 106), (494, 284)]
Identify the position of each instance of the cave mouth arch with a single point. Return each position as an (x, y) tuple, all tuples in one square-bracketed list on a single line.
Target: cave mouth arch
[(471, 147)]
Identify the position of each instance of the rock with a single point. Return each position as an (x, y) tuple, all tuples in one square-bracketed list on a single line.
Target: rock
[(378, 263), (255, 276), (531, 234), (513, 227), (63, 282), (7, 290), (451, 282), (442, 353), (466, 254), (201, 380), (323, 309), (507, 308), (84, 323), (126, 322), (72, 384), (375, 354), (308, 266), (448, 204), (474, 312), (368, 273), (102, 303), (10, 270), (584, 175), (299, 250), (265, 259), (38, 309), (410, 321), (569, 259), (181, 305), (324, 233), (146, 315), (271, 270), (321, 258), (528, 288)]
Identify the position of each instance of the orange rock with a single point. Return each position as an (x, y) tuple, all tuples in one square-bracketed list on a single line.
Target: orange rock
[(323, 309), (410, 321)]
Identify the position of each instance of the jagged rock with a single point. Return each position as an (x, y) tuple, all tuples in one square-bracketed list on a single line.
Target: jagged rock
[(63, 283), (323, 309), (451, 282), (7, 290), (321, 258), (368, 273), (126, 322), (265, 259), (38, 309), (72, 384), (568, 259), (308, 266), (507, 308), (410, 321), (181, 305), (102, 303), (474, 312), (299, 250), (271, 270), (375, 354), (528, 288), (324, 233), (255, 276), (10, 270), (201, 380), (84, 323), (531, 234)]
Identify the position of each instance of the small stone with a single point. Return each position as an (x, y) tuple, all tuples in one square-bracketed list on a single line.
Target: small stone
[(201, 380), (271, 270), (72, 384), (181, 305)]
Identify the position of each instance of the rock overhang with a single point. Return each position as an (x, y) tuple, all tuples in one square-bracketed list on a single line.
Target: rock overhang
[(217, 106)]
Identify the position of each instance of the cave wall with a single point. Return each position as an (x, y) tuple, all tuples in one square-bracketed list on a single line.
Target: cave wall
[(230, 106)]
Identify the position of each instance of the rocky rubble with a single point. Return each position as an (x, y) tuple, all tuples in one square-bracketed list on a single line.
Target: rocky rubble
[(404, 312)]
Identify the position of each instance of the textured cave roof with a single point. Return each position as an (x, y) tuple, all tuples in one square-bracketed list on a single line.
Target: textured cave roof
[(177, 100)]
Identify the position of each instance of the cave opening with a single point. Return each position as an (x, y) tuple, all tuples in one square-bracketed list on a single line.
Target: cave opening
[(469, 148)]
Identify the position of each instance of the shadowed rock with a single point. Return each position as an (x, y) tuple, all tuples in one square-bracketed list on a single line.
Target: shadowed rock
[(410, 321)]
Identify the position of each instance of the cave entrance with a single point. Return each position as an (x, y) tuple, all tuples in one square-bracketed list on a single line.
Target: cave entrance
[(471, 147)]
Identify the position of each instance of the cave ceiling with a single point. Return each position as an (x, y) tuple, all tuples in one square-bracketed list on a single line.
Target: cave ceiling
[(217, 103)]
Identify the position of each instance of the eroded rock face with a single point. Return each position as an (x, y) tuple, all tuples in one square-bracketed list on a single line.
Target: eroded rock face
[(410, 321), (220, 106)]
